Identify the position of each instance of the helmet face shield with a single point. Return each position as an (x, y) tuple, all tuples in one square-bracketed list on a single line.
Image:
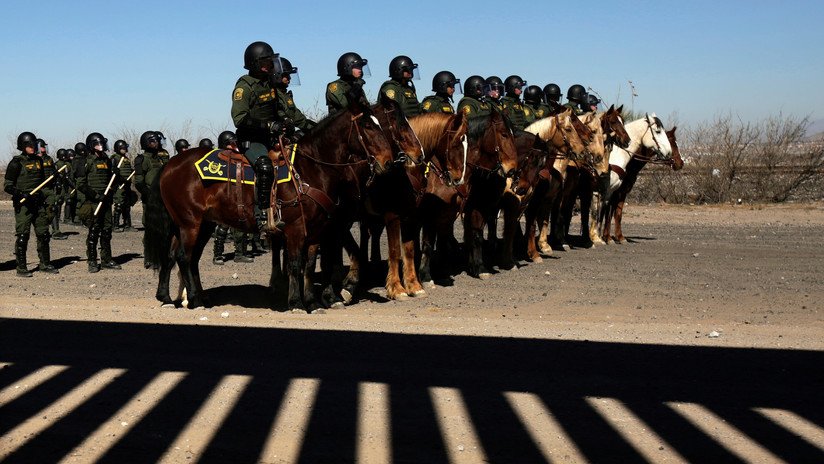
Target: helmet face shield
[(416, 75), (364, 67), (457, 86), (294, 78)]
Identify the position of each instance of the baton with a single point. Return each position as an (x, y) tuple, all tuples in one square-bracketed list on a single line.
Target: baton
[(43, 184), (108, 188), (127, 179)]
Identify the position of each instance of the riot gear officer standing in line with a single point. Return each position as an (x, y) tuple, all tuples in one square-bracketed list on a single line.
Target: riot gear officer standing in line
[(123, 196)]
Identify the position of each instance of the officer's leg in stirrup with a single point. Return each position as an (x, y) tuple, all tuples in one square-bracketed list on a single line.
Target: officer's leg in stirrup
[(264, 179)]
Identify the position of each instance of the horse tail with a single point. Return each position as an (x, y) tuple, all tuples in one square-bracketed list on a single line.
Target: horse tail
[(157, 239)]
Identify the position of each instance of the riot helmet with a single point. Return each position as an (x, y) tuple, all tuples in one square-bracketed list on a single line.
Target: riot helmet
[(494, 87), (289, 71), (61, 154), (552, 92), (533, 95), (161, 139), (70, 154), (206, 143), (181, 144), (592, 100), (96, 138), (444, 80), (401, 64), (577, 93), (147, 138), (80, 149), (26, 139), (225, 139), (121, 145), (514, 83), (260, 55), (474, 87), (42, 146), (350, 61)]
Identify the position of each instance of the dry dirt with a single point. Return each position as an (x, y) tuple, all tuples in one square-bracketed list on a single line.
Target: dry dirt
[(702, 340)]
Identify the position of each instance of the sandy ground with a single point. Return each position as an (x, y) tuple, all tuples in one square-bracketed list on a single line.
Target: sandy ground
[(702, 340)]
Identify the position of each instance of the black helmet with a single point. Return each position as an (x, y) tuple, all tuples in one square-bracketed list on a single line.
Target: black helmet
[(161, 139), (147, 138), (552, 92), (402, 63), (225, 138), (80, 149), (443, 80), (577, 93), (513, 82), (61, 154), (42, 144), (533, 95), (120, 145), (97, 138), (592, 100), (26, 139), (70, 154), (351, 60), (474, 86), (255, 53), (181, 144), (206, 143), (494, 83), (288, 70)]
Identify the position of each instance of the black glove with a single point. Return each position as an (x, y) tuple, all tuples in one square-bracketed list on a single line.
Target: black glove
[(276, 128), (18, 195)]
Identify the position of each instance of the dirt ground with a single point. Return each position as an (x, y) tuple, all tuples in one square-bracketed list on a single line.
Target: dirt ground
[(701, 340)]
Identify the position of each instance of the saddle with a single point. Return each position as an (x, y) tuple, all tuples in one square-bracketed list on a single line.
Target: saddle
[(225, 166)]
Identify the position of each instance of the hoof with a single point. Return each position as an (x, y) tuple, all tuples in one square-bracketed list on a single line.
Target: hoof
[(400, 297), (168, 306), (346, 295), (547, 250), (419, 294), (298, 311), (429, 284), (537, 259), (565, 247), (318, 311), (337, 305), (484, 275)]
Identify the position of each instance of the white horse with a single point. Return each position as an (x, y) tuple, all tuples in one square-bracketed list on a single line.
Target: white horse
[(648, 141)]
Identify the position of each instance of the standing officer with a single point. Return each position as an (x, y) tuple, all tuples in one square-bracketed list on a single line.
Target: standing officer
[(78, 164), (444, 84), (123, 195), (552, 97), (286, 102), (206, 143), (52, 190), (70, 209), (494, 90), (400, 88), (180, 145), (511, 102), (351, 70), (23, 174), (228, 141), (474, 103), (534, 107), (258, 121), (147, 166), (576, 97), (98, 174), (62, 188)]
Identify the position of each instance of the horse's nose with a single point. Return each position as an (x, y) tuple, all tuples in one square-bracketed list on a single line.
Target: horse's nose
[(520, 191)]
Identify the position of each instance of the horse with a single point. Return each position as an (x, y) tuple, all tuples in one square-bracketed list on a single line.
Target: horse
[(490, 156), (333, 157), (618, 197)]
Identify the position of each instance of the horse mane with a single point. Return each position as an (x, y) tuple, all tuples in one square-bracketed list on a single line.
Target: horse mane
[(429, 127), (476, 127), (540, 127)]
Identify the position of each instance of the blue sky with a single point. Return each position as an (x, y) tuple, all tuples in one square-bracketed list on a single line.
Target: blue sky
[(70, 68)]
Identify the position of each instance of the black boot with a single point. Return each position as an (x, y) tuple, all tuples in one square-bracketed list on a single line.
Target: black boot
[(56, 234), (91, 248), (127, 218), (264, 179), (106, 260), (67, 217), (20, 246), (44, 254), (241, 255), (116, 225), (220, 240)]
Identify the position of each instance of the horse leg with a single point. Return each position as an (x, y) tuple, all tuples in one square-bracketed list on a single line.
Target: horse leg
[(353, 277), (294, 266), (585, 195), (206, 230), (276, 277), (619, 214), (427, 247), (394, 288), (308, 278), (594, 213), (410, 277), (188, 240), (529, 230), (473, 238)]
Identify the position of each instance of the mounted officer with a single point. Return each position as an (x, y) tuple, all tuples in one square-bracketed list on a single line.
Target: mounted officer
[(258, 121), (534, 106), (23, 174), (592, 104), (494, 90), (511, 102), (445, 85), (123, 195), (98, 174), (576, 97), (474, 103), (400, 88), (181, 145), (351, 71), (286, 102), (552, 97)]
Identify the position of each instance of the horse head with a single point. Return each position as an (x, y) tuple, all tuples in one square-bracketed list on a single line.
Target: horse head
[(366, 135), (677, 161), (532, 156), (492, 144), (454, 148), (613, 125), (396, 127), (655, 138), (596, 151)]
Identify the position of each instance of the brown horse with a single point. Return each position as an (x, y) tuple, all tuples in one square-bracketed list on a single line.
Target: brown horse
[(341, 151), (618, 198)]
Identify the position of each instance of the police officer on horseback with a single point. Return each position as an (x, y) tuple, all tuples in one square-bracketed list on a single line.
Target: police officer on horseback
[(552, 97), (494, 90), (445, 85), (351, 71), (399, 87), (257, 119), (576, 98), (286, 101), (474, 103), (534, 106), (511, 102)]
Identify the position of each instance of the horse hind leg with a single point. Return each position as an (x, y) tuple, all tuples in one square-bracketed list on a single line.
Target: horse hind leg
[(309, 299), (394, 289), (410, 277)]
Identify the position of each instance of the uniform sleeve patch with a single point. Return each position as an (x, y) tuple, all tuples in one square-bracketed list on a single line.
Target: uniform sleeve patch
[(390, 93), (467, 109), (333, 87), (426, 105), (238, 95)]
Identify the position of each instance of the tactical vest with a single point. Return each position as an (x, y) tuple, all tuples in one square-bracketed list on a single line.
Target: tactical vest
[(31, 172), (126, 168), (98, 172), (404, 95), (152, 164), (436, 104), (474, 108), (514, 110)]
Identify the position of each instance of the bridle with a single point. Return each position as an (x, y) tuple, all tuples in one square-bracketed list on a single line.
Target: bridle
[(488, 172), (657, 155)]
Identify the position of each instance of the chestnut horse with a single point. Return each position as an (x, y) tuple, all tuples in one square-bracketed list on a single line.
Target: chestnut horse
[(615, 206), (336, 155)]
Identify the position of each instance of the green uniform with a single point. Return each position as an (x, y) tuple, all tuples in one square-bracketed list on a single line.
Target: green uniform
[(254, 108), (575, 108), (497, 104), (92, 182), (474, 108), (150, 165), (23, 173), (288, 111), (78, 165), (533, 113), (336, 93), (514, 110), (123, 195), (403, 94), (437, 104)]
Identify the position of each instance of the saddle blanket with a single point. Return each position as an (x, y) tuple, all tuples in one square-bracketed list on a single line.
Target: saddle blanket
[(212, 167)]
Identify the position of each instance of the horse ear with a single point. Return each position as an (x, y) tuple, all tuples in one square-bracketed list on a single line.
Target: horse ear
[(620, 109), (611, 108), (458, 120)]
